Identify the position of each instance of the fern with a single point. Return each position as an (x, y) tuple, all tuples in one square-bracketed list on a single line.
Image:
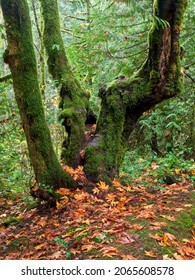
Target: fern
[(160, 23)]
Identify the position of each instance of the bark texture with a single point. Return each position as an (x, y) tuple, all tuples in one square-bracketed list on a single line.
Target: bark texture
[(73, 99), (22, 62), (126, 99)]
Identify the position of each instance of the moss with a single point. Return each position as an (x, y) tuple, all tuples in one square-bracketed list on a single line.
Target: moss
[(22, 62), (154, 76), (181, 7), (93, 163), (74, 101), (10, 221)]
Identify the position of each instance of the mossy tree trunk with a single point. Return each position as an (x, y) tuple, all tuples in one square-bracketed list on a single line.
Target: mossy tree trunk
[(21, 59), (73, 99), (126, 99)]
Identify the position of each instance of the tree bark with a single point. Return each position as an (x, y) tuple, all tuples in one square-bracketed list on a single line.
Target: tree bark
[(22, 62), (126, 99), (73, 99)]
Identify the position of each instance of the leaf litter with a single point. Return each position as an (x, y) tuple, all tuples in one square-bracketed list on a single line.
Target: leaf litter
[(118, 222)]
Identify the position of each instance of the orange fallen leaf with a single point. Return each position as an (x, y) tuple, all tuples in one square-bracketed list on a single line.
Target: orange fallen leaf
[(128, 257), (88, 247), (177, 257), (137, 226), (170, 218), (59, 205), (116, 183), (150, 254), (158, 224), (40, 246), (102, 186), (109, 251), (64, 191), (87, 222), (56, 255), (169, 238), (64, 200), (126, 238), (155, 236), (35, 188), (96, 190)]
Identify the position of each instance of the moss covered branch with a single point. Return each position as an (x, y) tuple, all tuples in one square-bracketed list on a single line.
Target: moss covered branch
[(73, 99), (126, 99)]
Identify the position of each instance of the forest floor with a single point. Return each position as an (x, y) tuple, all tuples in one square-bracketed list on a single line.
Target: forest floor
[(136, 221)]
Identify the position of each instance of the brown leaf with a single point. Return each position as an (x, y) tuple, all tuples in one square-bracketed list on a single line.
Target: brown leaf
[(109, 251), (126, 238), (56, 255), (169, 238), (170, 218), (88, 247), (64, 191), (150, 254), (128, 257), (158, 224), (155, 236)]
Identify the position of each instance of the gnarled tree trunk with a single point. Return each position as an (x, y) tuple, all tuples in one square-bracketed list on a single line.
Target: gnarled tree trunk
[(126, 99), (73, 99), (123, 101), (21, 59)]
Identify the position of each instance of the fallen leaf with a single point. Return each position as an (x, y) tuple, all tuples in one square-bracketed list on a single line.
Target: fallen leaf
[(155, 236), (128, 257), (166, 257), (56, 255), (169, 238), (109, 251), (126, 239), (64, 191), (170, 218), (102, 186), (158, 224), (150, 254), (40, 246), (88, 247)]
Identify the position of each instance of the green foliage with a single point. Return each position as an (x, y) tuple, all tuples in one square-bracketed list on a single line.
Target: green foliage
[(10, 221), (15, 171), (172, 163), (65, 245), (107, 39), (61, 242), (160, 23), (104, 40)]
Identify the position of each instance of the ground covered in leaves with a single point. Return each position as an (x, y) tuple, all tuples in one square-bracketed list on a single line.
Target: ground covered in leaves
[(131, 221)]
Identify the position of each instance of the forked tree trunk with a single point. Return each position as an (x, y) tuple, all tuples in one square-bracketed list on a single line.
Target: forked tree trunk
[(21, 59), (73, 99), (123, 101), (126, 99)]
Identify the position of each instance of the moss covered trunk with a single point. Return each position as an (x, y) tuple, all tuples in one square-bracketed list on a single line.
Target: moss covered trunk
[(126, 99), (21, 59), (73, 99)]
